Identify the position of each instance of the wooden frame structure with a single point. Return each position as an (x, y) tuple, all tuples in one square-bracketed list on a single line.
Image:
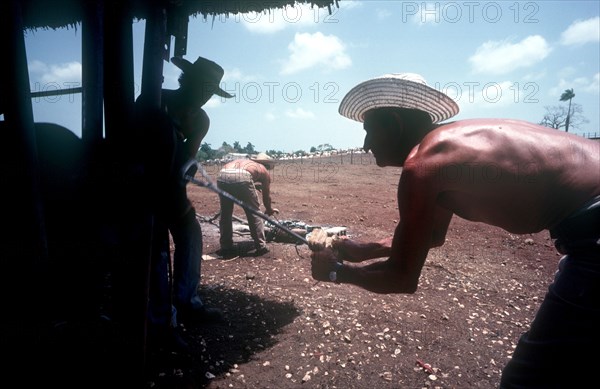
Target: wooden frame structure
[(107, 101)]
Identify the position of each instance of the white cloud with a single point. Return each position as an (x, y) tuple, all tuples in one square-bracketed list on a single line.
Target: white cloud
[(38, 67), (67, 72), (579, 84), (581, 32), (350, 4), (422, 13), (299, 113), (310, 50), (501, 57), (594, 86), (271, 21), (236, 74), (214, 102), (566, 71), (270, 117), (492, 95), (493, 98), (64, 74), (535, 76), (383, 13)]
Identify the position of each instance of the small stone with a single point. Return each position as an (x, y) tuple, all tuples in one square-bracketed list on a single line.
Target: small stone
[(432, 377)]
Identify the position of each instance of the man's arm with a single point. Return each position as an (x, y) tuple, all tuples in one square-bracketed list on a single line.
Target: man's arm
[(265, 180), (353, 251), (422, 225), (195, 129)]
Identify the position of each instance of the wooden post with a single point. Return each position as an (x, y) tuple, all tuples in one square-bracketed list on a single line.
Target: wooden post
[(21, 144), (118, 69), (24, 258), (92, 52), (131, 275), (154, 53)]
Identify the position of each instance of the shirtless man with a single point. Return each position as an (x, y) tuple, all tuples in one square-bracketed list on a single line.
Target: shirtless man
[(242, 178), (512, 174)]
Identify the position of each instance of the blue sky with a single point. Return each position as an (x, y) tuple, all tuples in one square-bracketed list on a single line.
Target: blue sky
[(290, 68)]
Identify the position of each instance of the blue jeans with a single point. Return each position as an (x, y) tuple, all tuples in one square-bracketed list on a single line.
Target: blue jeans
[(167, 299), (562, 347), (566, 327), (187, 261)]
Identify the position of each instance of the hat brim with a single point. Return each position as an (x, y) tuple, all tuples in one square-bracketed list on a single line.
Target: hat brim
[(188, 67), (222, 93), (267, 162), (263, 160), (183, 64), (393, 92)]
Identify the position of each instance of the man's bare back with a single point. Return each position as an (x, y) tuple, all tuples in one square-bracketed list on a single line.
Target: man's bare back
[(512, 174), (258, 171)]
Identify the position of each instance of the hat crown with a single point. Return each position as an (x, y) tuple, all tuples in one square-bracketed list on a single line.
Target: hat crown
[(262, 156), (203, 72), (413, 77), (208, 69), (400, 90)]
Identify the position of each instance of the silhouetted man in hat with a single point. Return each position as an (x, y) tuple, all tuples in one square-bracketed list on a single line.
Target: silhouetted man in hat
[(512, 174), (198, 82)]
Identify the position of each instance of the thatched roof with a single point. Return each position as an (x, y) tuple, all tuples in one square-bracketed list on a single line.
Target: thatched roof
[(67, 13)]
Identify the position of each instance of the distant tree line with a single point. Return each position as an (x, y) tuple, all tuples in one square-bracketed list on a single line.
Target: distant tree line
[(206, 152)]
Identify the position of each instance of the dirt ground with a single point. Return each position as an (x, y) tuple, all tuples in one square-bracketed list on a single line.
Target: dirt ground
[(477, 294)]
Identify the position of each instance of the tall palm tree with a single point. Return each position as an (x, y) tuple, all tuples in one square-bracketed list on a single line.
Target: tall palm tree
[(567, 95)]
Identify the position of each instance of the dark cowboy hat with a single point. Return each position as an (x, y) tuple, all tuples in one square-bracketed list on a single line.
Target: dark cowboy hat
[(204, 72)]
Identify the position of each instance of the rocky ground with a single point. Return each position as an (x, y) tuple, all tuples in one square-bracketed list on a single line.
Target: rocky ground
[(477, 294)]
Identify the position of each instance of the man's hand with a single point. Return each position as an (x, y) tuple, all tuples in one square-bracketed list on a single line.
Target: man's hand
[(353, 251), (271, 211), (323, 262), (347, 249)]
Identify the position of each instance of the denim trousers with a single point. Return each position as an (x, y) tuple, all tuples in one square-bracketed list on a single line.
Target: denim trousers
[(561, 348), (179, 292), (187, 261)]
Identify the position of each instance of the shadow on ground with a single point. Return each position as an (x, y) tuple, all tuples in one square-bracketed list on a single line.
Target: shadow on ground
[(252, 324)]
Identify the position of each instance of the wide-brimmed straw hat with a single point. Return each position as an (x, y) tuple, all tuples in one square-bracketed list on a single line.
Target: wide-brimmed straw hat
[(262, 158), (204, 73), (401, 90)]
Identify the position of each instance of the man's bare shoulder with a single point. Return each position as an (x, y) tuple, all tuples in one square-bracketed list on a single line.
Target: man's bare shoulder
[(486, 127), (498, 138)]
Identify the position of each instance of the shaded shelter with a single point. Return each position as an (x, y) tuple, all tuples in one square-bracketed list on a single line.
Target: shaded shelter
[(34, 287)]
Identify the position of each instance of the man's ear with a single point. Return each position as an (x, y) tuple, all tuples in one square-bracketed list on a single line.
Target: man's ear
[(399, 122)]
